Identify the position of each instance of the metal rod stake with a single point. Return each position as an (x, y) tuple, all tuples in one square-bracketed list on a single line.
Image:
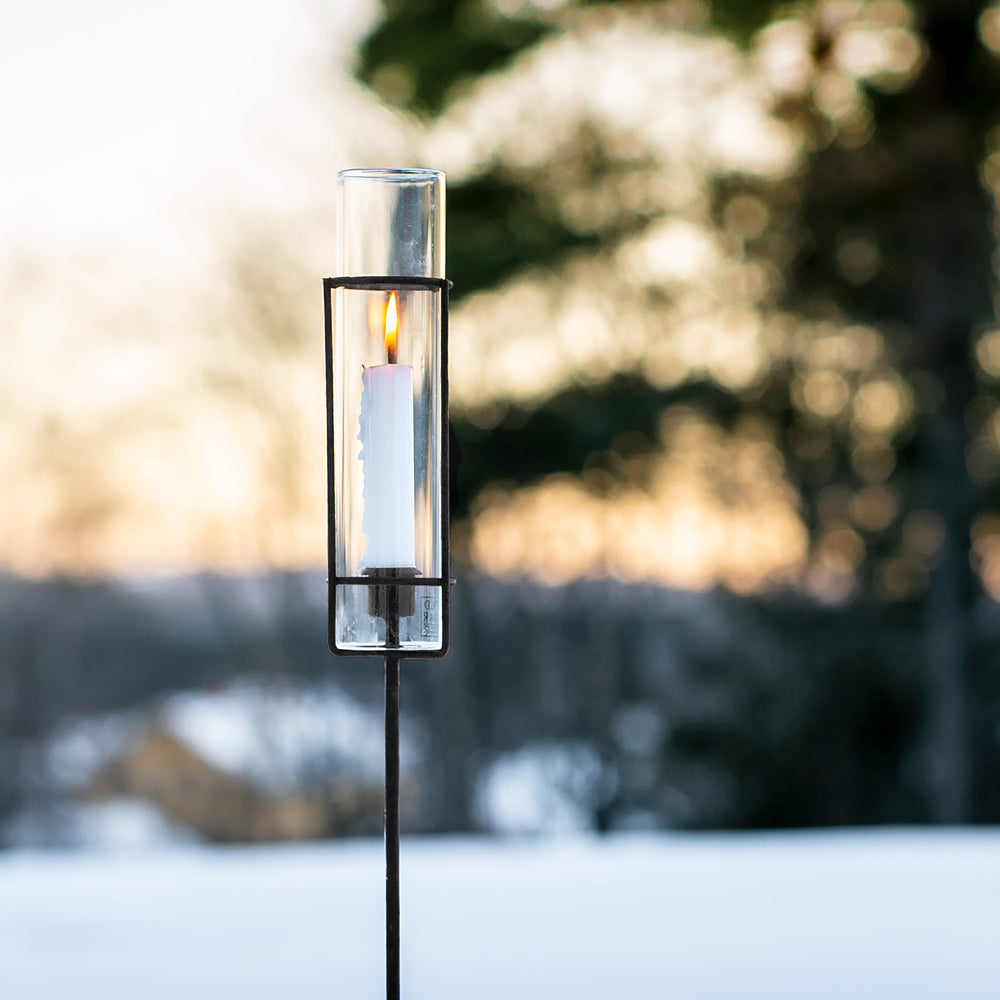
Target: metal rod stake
[(392, 799)]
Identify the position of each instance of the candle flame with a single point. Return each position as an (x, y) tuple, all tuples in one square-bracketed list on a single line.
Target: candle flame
[(391, 325)]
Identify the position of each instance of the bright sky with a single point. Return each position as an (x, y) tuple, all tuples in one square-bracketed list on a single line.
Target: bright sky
[(125, 121), (150, 154)]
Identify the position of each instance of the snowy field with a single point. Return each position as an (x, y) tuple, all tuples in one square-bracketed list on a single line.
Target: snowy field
[(892, 915)]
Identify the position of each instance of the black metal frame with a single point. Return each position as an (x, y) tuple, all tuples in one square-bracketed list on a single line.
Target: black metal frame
[(390, 580)]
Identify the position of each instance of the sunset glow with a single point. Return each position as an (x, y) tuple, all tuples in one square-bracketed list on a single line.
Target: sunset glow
[(713, 509), (163, 342)]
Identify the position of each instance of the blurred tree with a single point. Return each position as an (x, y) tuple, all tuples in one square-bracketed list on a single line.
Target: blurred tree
[(877, 254), (897, 233)]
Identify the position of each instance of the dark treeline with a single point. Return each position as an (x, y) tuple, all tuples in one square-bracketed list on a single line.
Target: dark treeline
[(705, 710)]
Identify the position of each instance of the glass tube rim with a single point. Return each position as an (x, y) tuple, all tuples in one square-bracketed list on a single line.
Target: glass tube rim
[(398, 175)]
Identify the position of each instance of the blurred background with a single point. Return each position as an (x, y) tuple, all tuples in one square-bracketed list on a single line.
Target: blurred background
[(725, 371)]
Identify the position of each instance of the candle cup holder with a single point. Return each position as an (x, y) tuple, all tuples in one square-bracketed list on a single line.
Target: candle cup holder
[(391, 600)]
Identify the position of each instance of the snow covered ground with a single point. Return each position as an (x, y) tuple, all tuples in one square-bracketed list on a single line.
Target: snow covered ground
[(887, 914)]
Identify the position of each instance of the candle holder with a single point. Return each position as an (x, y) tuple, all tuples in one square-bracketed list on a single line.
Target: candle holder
[(387, 448), (387, 417)]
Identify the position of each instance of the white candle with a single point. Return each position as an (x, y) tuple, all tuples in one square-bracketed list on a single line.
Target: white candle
[(387, 459)]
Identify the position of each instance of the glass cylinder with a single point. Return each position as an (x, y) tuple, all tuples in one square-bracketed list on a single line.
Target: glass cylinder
[(389, 415), (390, 221)]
